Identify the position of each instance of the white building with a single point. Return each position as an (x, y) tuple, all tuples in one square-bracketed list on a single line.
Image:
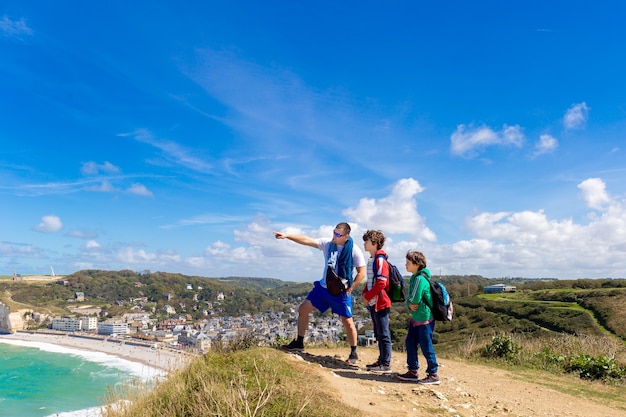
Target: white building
[(70, 324), (113, 328), (88, 324), (66, 324), (490, 289)]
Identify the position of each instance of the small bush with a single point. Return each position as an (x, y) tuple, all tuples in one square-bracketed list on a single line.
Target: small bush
[(501, 347), (592, 368)]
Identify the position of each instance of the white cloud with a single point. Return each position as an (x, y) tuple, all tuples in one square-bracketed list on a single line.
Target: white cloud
[(103, 187), (509, 243), (546, 144), (395, 214), (49, 224), (525, 243), (530, 244), (218, 248), (467, 141), (92, 168), (576, 116), (82, 234), (139, 189), (16, 250), (594, 193), (129, 256), (92, 244), (14, 28)]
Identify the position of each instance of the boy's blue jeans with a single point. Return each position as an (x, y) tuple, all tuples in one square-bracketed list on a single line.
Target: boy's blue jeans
[(421, 336), (382, 333)]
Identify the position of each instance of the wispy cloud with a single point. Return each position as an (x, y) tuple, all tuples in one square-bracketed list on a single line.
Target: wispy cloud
[(14, 28), (546, 144), (95, 184), (576, 116), (93, 168), (275, 111), (212, 219), (468, 141), (82, 234), (103, 187), (18, 250), (172, 151)]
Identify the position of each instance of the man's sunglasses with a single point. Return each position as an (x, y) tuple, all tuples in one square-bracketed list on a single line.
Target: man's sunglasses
[(337, 234)]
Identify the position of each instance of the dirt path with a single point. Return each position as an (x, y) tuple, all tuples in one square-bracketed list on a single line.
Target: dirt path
[(466, 390)]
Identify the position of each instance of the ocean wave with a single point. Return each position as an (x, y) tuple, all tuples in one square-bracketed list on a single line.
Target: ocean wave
[(136, 369), (87, 412)]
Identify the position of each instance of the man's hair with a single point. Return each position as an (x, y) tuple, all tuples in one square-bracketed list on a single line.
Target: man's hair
[(417, 258), (344, 226), (376, 237)]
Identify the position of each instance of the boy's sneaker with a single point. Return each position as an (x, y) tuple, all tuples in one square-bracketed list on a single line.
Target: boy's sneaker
[(352, 359), (293, 346), (380, 369), (372, 365), (410, 376), (431, 379)]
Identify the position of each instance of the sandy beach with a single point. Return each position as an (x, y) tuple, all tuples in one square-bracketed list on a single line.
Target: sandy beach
[(159, 358)]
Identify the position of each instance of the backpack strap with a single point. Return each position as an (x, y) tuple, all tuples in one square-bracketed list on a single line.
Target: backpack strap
[(374, 270), (425, 275)]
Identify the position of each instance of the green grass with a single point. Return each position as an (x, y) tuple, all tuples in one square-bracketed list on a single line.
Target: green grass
[(260, 381), (544, 360), (251, 382)]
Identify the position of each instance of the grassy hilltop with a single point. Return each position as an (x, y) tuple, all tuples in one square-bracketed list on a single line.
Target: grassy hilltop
[(569, 327)]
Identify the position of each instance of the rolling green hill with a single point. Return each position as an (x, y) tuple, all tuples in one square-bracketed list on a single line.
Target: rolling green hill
[(591, 307)]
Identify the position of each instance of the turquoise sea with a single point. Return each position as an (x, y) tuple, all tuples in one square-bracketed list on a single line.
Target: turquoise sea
[(40, 379)]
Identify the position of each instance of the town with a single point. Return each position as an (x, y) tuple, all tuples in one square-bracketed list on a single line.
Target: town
[(179, 330)]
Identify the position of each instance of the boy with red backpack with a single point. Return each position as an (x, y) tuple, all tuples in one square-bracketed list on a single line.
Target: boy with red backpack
[(376, 299)]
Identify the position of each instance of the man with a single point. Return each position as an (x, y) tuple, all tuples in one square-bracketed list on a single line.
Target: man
[(344, 256)]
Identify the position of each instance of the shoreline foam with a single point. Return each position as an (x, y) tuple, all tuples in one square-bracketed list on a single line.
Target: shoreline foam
[(160, 359)]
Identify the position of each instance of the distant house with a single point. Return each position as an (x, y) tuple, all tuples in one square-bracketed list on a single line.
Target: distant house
[(169, 309), (368, 339), (497, 288), (17, 277), (79, 296)]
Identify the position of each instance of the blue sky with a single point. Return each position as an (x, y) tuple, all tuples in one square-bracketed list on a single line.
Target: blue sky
[(176, 136)]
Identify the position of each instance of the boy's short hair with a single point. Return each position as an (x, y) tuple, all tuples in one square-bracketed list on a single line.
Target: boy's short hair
[(376, 237), (417, 258)]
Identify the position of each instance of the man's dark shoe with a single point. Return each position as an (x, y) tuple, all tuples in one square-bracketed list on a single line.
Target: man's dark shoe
[(293, 346), (352, 359)]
